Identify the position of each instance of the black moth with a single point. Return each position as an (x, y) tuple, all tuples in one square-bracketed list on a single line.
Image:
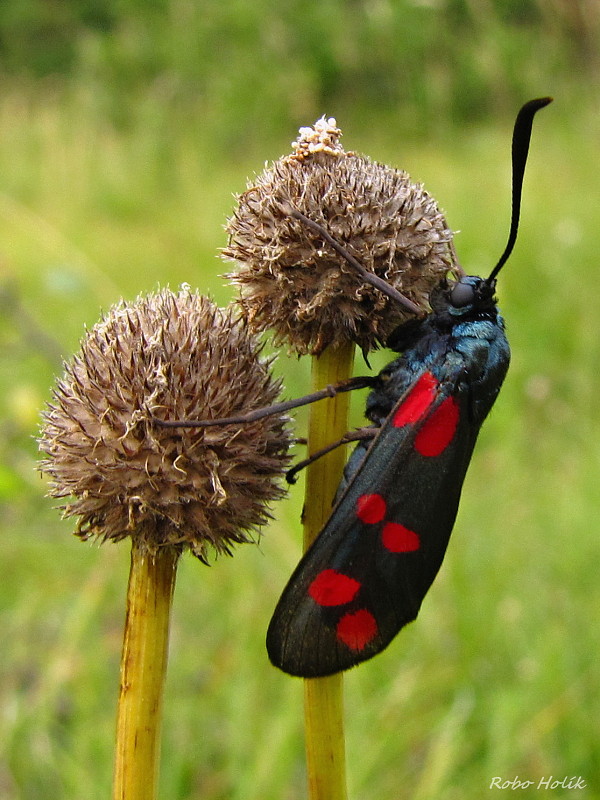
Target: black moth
[(367, 572)]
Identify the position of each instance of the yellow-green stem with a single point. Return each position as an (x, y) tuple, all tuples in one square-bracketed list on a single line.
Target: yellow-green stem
[(323, 697), (143, 669)]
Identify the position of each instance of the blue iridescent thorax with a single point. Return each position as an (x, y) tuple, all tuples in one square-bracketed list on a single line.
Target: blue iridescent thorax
[(463, 344)]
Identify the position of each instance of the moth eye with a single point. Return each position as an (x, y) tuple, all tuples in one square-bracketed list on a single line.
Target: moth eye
[(463, 294)]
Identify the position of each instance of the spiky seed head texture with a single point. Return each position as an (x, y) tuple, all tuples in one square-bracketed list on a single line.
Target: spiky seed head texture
[(171, 356), (293, 282)]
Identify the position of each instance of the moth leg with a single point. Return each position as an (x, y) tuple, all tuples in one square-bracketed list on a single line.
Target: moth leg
[(361, 382), (360, 434)]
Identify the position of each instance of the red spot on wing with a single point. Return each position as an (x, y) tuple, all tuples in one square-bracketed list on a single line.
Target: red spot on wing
[(417, 401), (357, 629), (332, 588), (398, 539), (437, 433), (371, 508)]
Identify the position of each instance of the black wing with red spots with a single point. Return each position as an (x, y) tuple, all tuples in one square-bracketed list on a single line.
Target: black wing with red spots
[(366, 574)]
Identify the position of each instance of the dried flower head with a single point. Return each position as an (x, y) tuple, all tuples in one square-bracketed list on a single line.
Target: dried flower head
[(292, 281), (173, 356)]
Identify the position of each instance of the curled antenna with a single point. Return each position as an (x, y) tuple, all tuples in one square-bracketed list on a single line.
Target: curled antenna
[(520, 149)]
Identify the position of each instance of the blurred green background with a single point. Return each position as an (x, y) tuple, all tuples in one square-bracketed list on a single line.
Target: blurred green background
[(125, 129)]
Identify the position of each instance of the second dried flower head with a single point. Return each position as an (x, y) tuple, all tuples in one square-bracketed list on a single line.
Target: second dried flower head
[(171, 356)]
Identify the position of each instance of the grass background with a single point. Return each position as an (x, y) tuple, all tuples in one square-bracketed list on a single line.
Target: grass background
[(125, 127)]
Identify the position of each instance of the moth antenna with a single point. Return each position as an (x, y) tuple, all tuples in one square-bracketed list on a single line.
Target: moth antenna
[(520, 149), (368, 277)]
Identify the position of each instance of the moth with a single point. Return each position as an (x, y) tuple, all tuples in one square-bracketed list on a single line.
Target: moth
[(367, 572)]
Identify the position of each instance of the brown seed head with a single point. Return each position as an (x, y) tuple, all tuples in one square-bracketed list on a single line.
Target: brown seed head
[(292, 281), (176, 356)]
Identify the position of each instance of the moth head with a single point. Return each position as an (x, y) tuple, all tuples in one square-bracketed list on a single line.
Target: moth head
[(470, 291), (459, 298)]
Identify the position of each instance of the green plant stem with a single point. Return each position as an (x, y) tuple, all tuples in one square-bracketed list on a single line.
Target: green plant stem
[(323, 697), (143, 669)]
